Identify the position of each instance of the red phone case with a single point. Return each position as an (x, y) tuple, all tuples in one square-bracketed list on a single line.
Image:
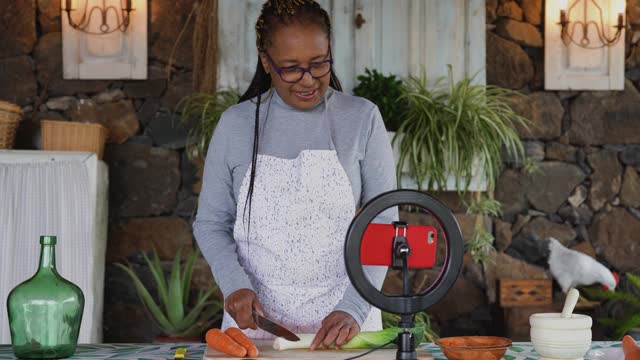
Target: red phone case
[(378, 241)]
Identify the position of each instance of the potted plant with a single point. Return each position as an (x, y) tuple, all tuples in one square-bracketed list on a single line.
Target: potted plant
[(179, 318), (454, 127), (384, 91), (452, 138), (622, 306), (201, 113)]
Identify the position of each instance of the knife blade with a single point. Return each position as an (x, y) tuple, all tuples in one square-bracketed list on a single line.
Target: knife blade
[(273, 328)]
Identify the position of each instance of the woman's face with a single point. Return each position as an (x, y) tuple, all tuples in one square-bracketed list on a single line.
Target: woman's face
[(298, 45)]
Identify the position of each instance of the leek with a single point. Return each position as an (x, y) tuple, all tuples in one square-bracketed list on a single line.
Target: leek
[(364, 340)]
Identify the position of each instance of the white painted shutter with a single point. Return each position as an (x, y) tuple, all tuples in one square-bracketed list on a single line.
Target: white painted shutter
[(401, 37)]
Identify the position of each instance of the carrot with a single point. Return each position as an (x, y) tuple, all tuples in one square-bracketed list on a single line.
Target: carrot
[(630, 348), (222, 342), (242, 339)]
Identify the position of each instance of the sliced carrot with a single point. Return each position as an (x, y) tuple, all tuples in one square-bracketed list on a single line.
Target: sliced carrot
[(242, 339), (222, 342)]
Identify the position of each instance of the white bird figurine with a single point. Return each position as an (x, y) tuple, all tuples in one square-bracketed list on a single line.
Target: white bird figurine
[(571, 268)]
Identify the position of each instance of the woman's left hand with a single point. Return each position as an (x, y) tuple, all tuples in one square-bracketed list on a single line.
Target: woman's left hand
[(338, 327)]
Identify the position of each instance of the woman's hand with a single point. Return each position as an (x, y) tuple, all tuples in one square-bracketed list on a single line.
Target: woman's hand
[(338, 327), (240, 305)]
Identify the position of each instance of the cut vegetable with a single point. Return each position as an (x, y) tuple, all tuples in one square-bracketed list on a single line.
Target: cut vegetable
[(284, 344), (242, 339), (364, 340), (224, 343)]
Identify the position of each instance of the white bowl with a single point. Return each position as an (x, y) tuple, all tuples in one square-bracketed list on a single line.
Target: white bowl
[(561, 338)]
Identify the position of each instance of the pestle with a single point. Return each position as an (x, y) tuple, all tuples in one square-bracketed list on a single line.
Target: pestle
[(570, 303)]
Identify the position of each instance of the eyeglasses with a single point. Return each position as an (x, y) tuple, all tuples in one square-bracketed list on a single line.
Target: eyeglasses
[(293, 74)]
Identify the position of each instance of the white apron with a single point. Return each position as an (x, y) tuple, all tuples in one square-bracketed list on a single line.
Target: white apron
[(301, 210)]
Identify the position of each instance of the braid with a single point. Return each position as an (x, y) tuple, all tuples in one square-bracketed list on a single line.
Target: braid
[(275, 12)]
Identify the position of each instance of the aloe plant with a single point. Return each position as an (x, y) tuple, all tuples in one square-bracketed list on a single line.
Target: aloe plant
[(201, 113), (629, 298), (174, 315)]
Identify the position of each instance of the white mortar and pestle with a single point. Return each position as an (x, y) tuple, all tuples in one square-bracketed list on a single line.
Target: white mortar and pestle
[(562, 335)]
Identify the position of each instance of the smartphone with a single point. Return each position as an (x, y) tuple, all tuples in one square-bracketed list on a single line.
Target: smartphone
[(377, 244)]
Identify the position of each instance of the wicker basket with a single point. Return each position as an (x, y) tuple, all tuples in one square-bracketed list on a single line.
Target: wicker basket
[(73, 136), (10, 117)]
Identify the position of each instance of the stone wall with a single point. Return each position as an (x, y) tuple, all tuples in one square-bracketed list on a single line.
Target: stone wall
[(581, 187), (153, 186), (585, 145)]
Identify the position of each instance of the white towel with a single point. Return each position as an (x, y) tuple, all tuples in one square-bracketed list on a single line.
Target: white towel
[(51, 198)]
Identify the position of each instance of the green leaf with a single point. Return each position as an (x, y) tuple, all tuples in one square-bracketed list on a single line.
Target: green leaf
[(147, 300), (635, 280), (624, 325), (192, 316), (612, 295), (201, 113), (175, 312), (384, 91), (186, 277), (371, 339), (156, 270)]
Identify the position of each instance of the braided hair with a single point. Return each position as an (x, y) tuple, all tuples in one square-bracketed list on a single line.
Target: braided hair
[(277, 13)]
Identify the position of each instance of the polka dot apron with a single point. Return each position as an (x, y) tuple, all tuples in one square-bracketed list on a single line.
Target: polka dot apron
[(300, 212)]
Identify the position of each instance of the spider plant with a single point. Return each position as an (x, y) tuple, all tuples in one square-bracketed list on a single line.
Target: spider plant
[(174, 315), (201, 113), (451, 126)]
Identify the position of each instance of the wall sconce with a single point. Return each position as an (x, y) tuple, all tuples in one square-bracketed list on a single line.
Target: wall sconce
[(123, 16), (569, 26), (119, 51)]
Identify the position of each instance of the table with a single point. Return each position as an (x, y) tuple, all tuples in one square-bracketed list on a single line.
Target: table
[(519, 351)]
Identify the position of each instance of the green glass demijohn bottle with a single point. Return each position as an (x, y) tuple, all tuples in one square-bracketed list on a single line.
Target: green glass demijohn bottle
[(45, 311)]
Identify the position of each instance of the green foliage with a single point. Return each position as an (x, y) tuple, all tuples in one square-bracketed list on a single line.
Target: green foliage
[(485, 205), (422, 320), (480, 246), (201, 113), (174, 314), (384, 91), (629, 298), (449, 126)]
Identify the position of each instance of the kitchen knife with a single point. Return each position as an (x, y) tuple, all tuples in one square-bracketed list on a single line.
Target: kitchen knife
[(273, 328)]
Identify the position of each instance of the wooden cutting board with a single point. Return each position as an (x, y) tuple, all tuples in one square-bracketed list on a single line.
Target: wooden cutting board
[(267, 352)]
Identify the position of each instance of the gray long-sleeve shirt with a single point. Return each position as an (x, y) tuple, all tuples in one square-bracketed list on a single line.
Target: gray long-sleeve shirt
[(363, 147)]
